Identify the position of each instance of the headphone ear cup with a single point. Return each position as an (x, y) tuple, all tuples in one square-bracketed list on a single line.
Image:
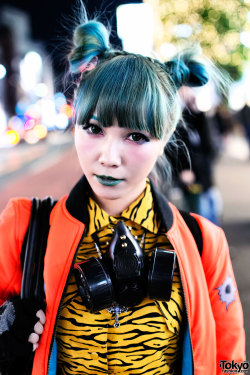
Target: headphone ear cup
[(160, 275), (94, 284)]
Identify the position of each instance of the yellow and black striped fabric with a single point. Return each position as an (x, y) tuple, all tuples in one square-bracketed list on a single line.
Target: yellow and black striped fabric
[(147, 341)]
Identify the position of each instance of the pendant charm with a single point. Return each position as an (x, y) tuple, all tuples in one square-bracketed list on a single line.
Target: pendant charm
[(117, 309)]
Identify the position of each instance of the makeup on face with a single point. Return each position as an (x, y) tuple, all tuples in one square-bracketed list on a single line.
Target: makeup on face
[(116, 161), (108, 180)]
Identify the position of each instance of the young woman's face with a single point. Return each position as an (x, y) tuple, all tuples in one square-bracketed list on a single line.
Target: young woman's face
[(116, 161)]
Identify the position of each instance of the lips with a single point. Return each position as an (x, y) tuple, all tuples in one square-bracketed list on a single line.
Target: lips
[(108, 180)]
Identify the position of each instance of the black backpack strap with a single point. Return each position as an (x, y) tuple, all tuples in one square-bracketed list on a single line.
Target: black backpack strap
[(194, 229), (35, 203), (34, 248)]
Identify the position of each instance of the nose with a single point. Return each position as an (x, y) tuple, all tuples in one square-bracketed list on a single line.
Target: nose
[(110, 153)]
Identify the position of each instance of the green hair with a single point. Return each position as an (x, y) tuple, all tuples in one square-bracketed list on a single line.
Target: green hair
[(131, 89), (90, 39), (141, 93)]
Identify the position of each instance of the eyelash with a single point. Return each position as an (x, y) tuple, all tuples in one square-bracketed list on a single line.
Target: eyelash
[(88, 126), (143, 137)]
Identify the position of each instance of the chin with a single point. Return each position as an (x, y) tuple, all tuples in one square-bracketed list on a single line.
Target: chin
[(106, 192)]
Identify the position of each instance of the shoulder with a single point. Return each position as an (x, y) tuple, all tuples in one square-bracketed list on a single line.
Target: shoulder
[(212, 234), (14, 203), (16, 212), (14, 221), (215, 253), (213, 237)]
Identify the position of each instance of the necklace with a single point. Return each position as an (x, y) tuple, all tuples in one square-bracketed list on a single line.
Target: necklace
[(116, 308)]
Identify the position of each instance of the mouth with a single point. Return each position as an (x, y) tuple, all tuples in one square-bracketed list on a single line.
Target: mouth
[(108, 180)]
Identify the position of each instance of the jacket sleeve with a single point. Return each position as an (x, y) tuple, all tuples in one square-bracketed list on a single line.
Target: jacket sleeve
[(14, 222), (224, 296)]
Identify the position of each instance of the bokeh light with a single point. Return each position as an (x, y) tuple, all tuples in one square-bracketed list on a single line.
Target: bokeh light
[(3, 71), (48, 112), (16, 123), (3, 120), (236, 99), (67, 110), (21, 107), (59, 99), (40, 131), (30, 70), (135, 27), (12, 137), (30, 137), (182, 31), (168, 50), (29, 124), (41, 90), (33, 111), (61, 121), (221, 28)]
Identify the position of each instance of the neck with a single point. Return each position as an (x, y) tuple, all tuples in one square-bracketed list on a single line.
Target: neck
[(114, 207)]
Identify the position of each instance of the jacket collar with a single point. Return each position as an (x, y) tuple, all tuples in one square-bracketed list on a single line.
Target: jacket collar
[(162, 207), (77, 200)]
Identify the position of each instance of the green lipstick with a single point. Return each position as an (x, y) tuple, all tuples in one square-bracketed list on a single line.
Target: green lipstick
[(107, 180)]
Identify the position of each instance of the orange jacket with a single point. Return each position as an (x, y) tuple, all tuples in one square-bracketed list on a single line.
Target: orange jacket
[(215, 318)]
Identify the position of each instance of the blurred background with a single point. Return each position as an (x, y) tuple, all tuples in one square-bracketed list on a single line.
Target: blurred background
[(37, 156)]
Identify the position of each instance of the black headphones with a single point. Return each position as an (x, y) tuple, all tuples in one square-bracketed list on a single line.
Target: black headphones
[(125, 275)]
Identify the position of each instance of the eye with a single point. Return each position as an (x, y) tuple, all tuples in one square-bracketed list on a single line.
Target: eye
[(138, 137), (92, 128)]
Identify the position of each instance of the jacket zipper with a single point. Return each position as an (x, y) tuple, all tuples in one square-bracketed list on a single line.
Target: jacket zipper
[(60, 304)]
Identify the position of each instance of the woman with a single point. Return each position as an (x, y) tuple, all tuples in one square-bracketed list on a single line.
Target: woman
[(110, 225)]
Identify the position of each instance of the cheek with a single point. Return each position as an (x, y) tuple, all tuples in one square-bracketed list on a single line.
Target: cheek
[(84, 145), (133, 155), (141, 158)]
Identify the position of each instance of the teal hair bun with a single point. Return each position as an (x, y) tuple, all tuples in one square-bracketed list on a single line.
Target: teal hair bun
[(185, 73), (91, 39)]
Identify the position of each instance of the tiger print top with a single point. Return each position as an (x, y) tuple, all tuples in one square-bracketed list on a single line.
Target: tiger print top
[(147, 341)]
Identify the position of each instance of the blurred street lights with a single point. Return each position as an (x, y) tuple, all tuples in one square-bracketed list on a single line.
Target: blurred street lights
[(135, 27), (221, 28)]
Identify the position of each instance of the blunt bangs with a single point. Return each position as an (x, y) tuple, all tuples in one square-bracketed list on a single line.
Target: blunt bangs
[(130, 89)]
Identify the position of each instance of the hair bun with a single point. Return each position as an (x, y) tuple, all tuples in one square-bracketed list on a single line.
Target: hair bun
[(198, 74), (91, 39), (187, 73)]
